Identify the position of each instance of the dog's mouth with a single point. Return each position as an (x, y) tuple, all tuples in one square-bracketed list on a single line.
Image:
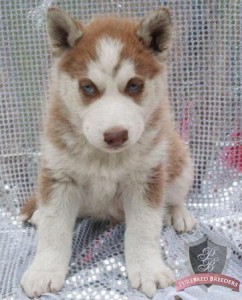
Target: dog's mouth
[(115, 149)]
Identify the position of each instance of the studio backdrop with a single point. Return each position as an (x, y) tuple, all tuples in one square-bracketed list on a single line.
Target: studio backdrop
[(205, 93)]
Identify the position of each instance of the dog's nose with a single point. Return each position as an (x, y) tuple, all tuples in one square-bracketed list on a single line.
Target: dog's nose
[(115, 136)]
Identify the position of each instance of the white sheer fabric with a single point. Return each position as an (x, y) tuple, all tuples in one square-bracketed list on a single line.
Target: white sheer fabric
[(205, 91)]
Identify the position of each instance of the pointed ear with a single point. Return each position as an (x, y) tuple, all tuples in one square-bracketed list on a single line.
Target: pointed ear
[(63, 30), (155, 31)]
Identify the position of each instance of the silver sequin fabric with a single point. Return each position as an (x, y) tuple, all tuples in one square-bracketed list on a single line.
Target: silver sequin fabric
[(205, 93)]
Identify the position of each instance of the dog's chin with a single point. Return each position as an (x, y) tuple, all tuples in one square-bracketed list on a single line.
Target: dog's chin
[(112, 149)]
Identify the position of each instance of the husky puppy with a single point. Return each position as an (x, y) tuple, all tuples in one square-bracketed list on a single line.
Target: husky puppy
[(110, 149)]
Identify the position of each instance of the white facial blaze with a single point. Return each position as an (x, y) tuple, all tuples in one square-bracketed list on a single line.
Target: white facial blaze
[(108, 52), (125, 72), (113, 109)]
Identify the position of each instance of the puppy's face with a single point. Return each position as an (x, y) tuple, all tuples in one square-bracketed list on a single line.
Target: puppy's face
[(110, 74)]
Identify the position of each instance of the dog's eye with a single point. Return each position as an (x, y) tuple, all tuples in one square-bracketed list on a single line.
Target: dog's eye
[(88, 88), (134, 86)]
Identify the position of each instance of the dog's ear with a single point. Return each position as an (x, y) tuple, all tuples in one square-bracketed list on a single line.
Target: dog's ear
[(155, 31), (63, 30)]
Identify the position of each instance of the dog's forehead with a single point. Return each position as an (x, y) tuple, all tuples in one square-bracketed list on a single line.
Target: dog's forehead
[(110, 63), (111, 44), (108, 52)]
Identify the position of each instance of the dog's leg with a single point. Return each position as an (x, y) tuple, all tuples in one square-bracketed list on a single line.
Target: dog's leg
[(177, 214), (55, 225), (145, 266)]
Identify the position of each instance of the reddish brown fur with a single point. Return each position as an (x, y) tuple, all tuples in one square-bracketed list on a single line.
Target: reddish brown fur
[(59, 123), (49, 180), (155, 122), (178, 157), (29, 208), (155, 118), (45, 184), (155, 185), (162, 175), (76, 60)]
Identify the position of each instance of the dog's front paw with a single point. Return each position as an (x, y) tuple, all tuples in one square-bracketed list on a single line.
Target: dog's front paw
[(181, 219), (37, 281), (147, 277)]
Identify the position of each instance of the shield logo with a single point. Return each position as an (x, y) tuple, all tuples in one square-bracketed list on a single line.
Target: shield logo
[(208, 256)]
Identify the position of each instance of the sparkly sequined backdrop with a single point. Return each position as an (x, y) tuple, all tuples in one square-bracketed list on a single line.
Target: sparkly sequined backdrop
[(205, 91)]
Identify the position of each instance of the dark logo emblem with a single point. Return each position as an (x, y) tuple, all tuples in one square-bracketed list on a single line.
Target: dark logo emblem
[(208, 261), (208, 256)]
